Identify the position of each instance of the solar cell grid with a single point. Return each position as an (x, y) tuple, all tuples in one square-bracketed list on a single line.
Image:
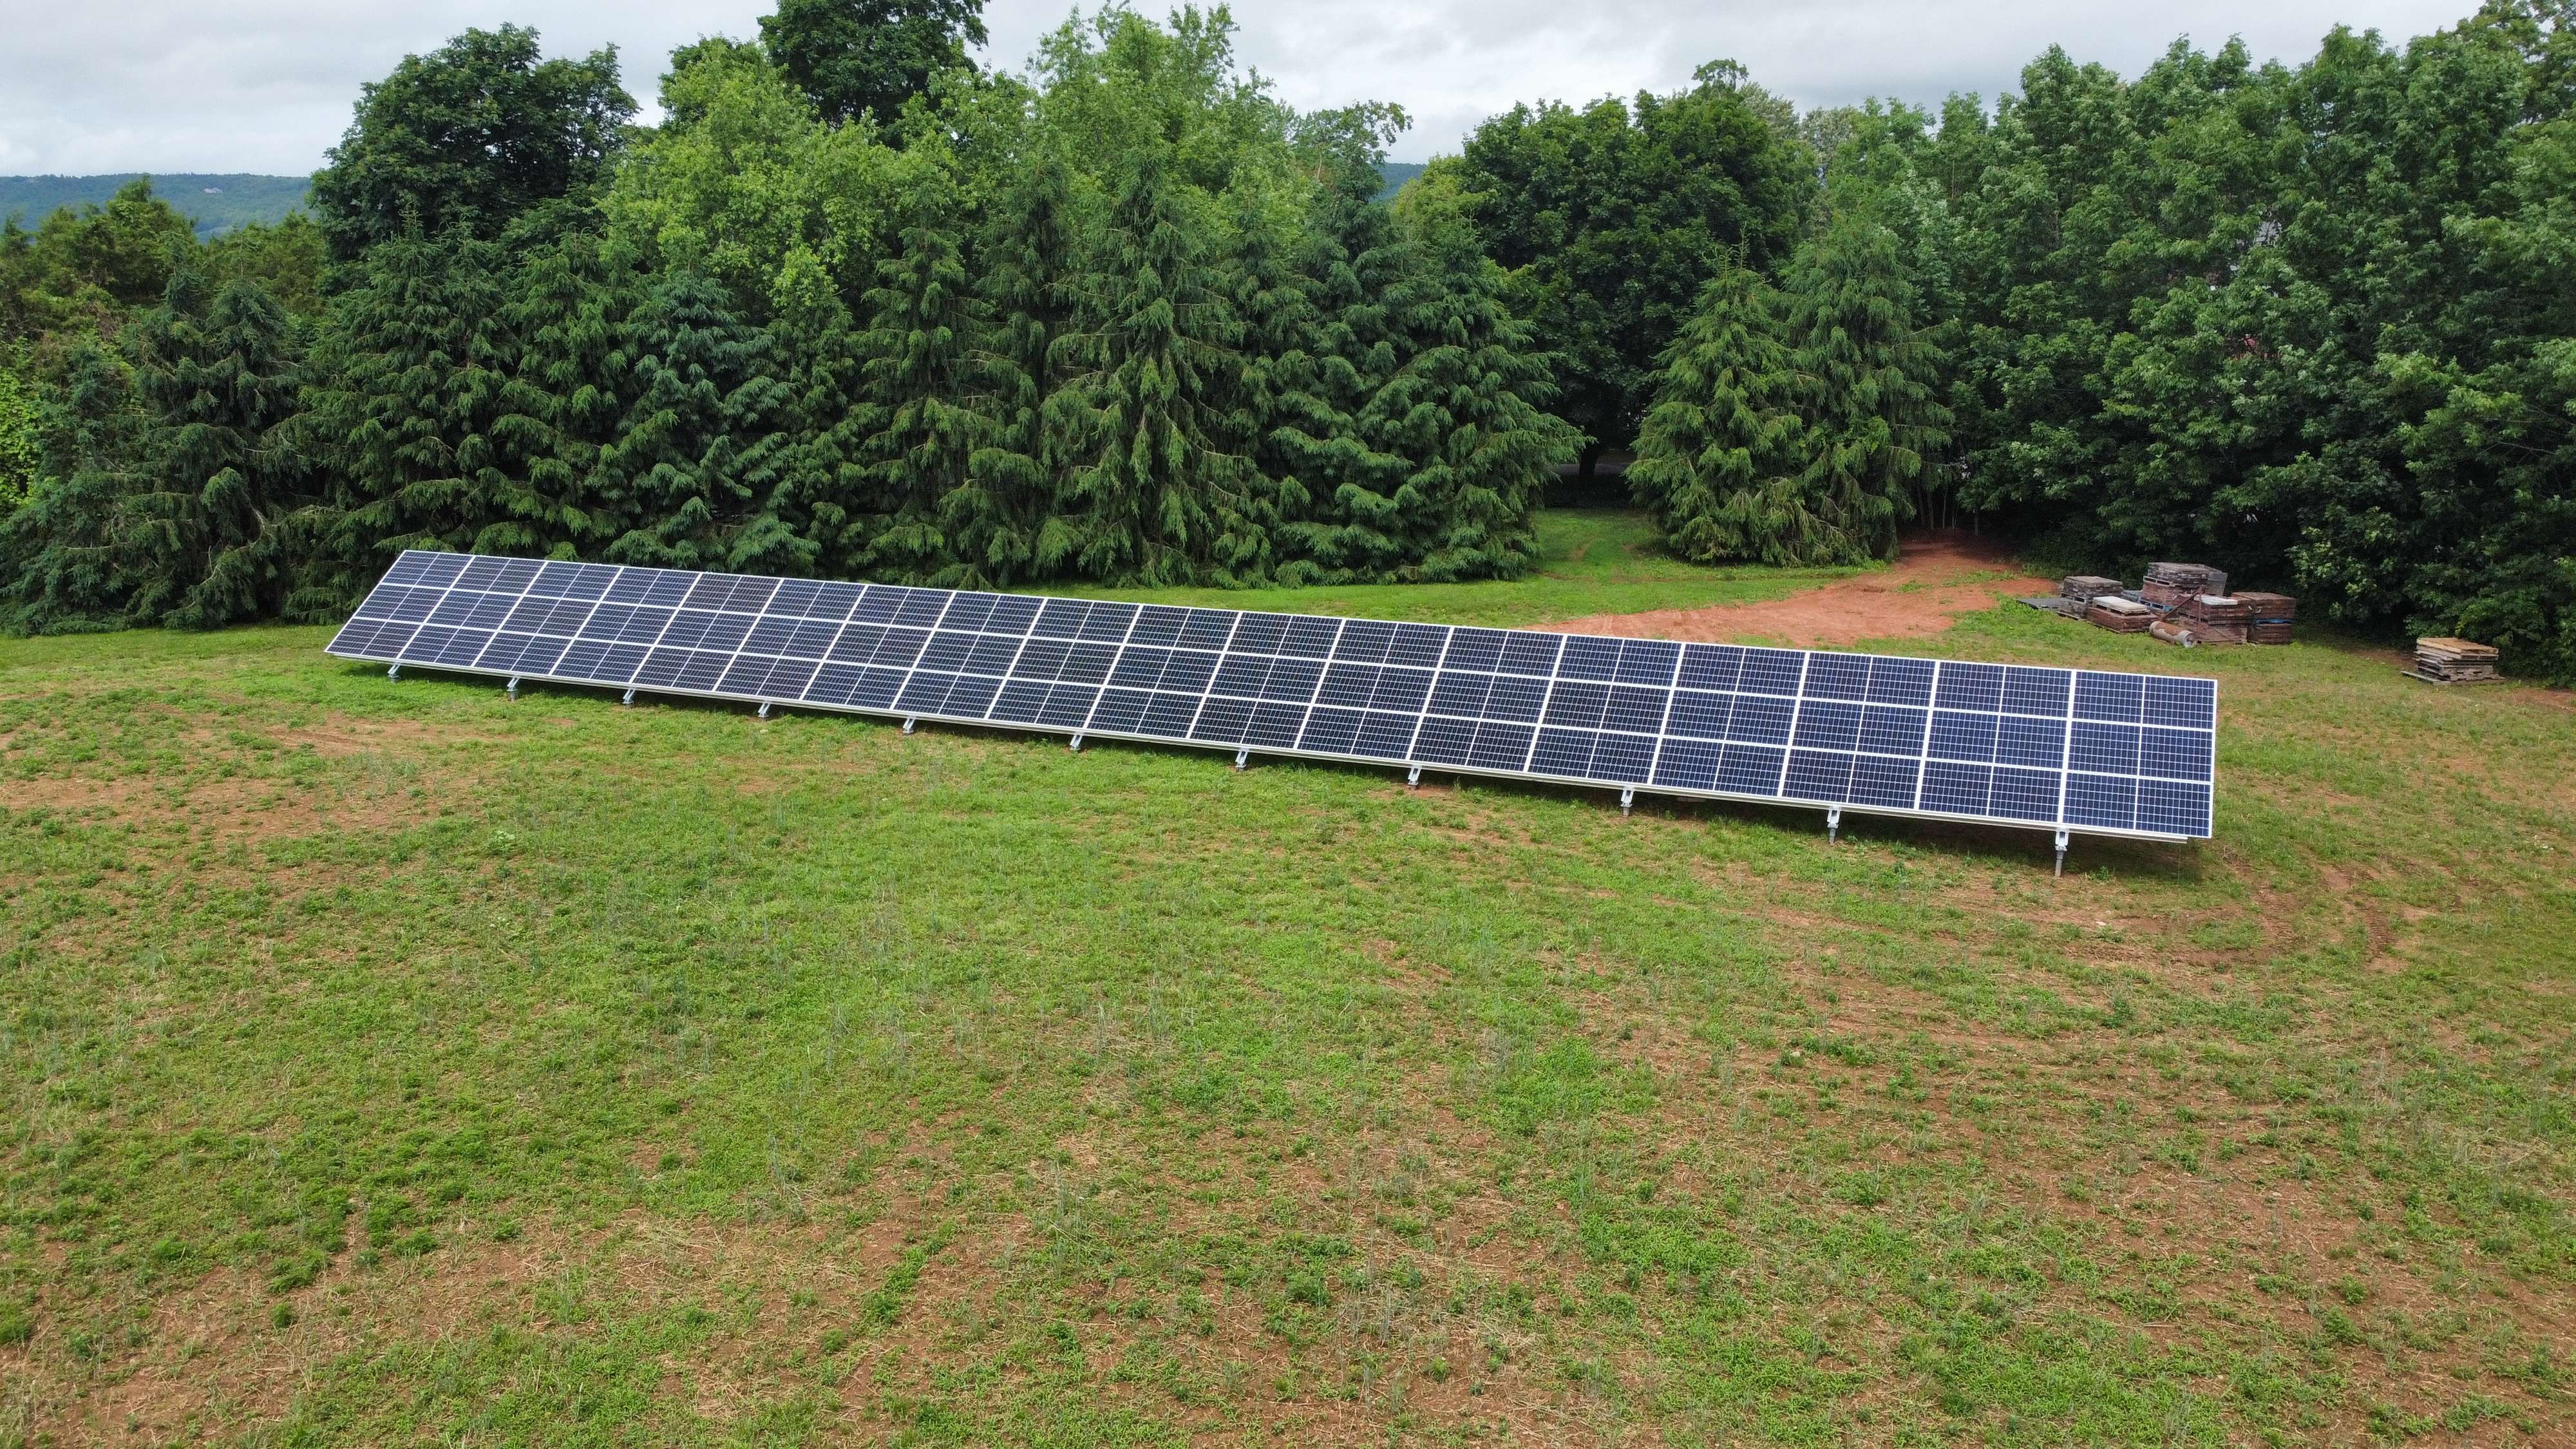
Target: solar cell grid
[(2076, 749)]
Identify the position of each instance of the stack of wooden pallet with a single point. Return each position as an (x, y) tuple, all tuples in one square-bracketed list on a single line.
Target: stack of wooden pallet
[(2120, 615), (2453, 661), (2168, 584), (2085, 588), (2273, 616), (2217, 618)]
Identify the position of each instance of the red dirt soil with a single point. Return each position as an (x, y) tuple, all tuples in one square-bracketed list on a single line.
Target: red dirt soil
[(1937, 577)]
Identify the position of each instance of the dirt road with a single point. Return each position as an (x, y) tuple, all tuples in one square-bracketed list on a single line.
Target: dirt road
[(1937, 577)]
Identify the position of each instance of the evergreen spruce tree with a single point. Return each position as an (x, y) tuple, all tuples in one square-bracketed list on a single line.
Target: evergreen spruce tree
[(1721, 455), (1464, 414), (1870, 385), (1158, 499), (1275, 409), (1340, 533), (20, 447), (918, 371), (1369, 274), (1003, 526), (216, 534), (569, 384), (1425, 418), (68, 564), (698, 461), (822, 488), (416, 411)]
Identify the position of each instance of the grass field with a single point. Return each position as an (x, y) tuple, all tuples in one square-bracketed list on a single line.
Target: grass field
[(392, 1063), (1594, 562)]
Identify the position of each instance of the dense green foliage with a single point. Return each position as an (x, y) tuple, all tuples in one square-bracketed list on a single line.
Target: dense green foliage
[(466, 138), (1612, 216), (851, 308), (855, 58), (2311, 324), (2314, 324), (1797, 426), (855, 307)]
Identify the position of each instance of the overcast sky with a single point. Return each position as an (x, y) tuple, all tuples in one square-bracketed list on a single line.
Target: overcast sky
[(266, 85)]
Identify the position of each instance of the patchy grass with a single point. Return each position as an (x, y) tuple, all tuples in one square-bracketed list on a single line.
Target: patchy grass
[(391, 1063)]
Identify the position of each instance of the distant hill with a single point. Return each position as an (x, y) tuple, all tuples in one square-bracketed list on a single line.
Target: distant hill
[(215, 203), (1397, 173), (218, 203)]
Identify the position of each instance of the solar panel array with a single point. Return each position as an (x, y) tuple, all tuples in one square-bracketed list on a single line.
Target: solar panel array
[(2079, 750)]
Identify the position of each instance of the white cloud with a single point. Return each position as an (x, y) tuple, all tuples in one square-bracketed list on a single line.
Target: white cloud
[(266, 85)]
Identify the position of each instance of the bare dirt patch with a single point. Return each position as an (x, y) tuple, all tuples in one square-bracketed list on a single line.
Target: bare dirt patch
[(262, 797), (220, 1355), (1937, 577)]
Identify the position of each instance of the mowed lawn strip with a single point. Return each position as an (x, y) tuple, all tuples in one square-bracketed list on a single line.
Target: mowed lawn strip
[(390, 1062)]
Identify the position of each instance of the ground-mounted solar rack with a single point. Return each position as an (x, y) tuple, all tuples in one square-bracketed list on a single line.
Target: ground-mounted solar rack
[(2068, 751)]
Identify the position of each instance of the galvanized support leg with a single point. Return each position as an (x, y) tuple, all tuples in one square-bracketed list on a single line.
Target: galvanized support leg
[(2061, 852), (1242, 759), (393, 671), (1076, 745), (908, 724), (764, 709), (629, 699), (1413, 778), (1833, 824), (1627, 798), (512, 688)]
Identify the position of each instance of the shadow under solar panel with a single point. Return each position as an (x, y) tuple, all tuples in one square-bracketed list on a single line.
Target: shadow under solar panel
[(2073, 751)]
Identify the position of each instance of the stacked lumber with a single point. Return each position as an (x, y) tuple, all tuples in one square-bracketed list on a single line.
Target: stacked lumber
[(2273, 616), (2085, 588), (2453, 661), (2168, 584), (2119, 615), (2216, 618)]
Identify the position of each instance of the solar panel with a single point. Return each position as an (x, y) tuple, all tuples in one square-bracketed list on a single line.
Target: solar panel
[(2068, 750)]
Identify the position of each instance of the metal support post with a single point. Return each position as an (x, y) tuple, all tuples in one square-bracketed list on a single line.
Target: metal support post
[(1242, 759), (629, 699), (1076, 744), (1833, 824), (512, 688), (1627, 798), (1413, 777), (2061, 851), (764, 709), (393, 671), (908, 724)]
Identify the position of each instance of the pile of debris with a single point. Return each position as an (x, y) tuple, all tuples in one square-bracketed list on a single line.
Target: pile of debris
[(2119, 613), (2216, 618), (2273, 616), (2169, 584), (2453, 661), (2181, 603)]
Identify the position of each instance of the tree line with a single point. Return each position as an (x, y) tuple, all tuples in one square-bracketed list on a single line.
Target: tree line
[(2315, 324), (857, 307), (853, 308)]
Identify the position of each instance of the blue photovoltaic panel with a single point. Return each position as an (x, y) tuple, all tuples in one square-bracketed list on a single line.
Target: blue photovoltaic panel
[(2080, 750)]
